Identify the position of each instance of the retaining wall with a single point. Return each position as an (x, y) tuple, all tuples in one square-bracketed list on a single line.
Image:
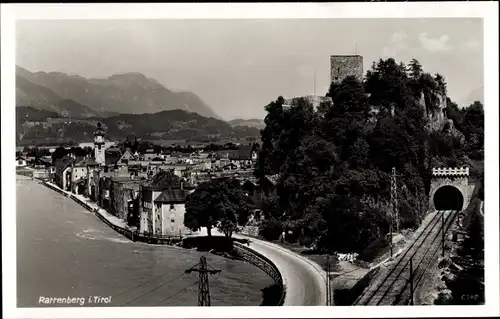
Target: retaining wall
[(262, 262)]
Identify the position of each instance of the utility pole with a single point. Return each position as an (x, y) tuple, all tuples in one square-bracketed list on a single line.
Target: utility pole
[(394, 198), (203, 288), (442, 232), (411, 281), (327, 282), (419, 209), (390, 235), (393, 207)]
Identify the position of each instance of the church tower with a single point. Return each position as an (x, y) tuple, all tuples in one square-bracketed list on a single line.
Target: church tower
[(99, 145)]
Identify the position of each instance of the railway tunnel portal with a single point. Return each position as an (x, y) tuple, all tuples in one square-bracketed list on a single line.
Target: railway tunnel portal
[(449, 189)]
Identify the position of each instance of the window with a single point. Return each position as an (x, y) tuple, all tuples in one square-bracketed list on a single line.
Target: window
[(172, 221), (172, 206)]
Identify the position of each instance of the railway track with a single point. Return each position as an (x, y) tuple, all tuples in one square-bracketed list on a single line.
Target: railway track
[(405, 296), (394, 285)]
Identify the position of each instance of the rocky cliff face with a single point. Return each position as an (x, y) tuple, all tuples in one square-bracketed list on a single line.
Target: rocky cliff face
[(450, 130), (436, 115)]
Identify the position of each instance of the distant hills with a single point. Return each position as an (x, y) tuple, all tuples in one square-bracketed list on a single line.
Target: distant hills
[(256, 123), (35, 126), (78, 97)]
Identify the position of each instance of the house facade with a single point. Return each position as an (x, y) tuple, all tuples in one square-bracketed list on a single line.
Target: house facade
[(162, 203), (80, 175), (124, 195), (62, 176)]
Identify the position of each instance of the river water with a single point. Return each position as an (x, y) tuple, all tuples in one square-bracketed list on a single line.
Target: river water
[(64, 251)]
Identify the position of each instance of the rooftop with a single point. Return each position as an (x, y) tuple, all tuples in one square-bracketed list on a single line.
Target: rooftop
[(172, 196), (86, 162), (346, 55), (164, 180)]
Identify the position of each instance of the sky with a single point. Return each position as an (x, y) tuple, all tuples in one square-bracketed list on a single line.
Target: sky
[(239, 66)]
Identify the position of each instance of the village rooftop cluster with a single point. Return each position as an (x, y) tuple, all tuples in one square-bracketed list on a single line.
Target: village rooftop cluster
[(147, 190)]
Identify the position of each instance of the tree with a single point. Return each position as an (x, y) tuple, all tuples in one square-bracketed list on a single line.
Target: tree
[(415, 69), (334, 164), (78, 151), (455, 114), (218, 203), (266, 163), (388, 85), (59, 153), (441, 83), (473, 126)]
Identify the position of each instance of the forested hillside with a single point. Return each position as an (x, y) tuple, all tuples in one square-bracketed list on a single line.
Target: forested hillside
[(334, 164), (37, 126)]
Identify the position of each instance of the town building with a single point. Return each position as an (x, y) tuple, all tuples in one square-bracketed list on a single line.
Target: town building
[(315, 100), (124, 197), (43, 162), (80, 175), (62, 176), (21, 161), (126, 157), (150, 155), (244, 158), (162, 202)]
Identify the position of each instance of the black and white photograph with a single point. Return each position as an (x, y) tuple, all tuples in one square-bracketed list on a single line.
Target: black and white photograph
[(249, 161)]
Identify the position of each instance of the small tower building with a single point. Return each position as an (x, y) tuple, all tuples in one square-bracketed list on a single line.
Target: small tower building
[(99, 154)]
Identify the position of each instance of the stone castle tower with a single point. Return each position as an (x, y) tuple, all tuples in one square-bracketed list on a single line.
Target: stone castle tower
[(99, 154), (342, 66)]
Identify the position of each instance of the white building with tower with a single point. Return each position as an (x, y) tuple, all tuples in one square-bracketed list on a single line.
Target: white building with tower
[(99, 146)]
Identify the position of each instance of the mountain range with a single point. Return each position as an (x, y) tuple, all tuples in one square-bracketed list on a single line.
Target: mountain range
[(78, 97)]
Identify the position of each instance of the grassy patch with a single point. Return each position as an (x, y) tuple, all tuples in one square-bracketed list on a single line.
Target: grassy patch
[(375, 249)]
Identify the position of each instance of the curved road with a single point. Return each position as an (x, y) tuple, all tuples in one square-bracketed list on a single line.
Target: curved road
[(304, 280)]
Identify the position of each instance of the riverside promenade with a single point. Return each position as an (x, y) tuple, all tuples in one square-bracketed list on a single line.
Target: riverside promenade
[(304, 280)]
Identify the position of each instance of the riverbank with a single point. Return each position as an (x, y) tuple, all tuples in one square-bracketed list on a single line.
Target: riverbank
[(65, 250), (114, 222), (271, 294)]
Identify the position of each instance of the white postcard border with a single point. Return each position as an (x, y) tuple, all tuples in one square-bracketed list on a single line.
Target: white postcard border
[(487, 10)]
